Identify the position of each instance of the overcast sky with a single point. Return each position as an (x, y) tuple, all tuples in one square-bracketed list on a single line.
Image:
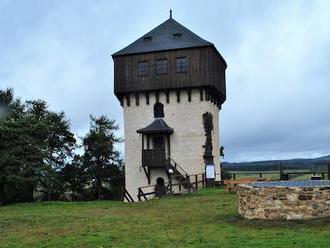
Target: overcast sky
[(278, 56)]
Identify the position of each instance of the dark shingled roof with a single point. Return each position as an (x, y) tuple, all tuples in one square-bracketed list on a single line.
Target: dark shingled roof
[(167, 36), (157, 126)]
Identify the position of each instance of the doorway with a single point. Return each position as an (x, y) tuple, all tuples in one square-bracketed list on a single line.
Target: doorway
[(160, 188)]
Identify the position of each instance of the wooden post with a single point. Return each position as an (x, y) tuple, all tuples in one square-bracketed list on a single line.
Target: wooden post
[(121, 100), (142, 142), (203, 180), (137, 99), (201, 93), (323, 176), (128, 100), (281, 171), (329, 171), (189, 95), (180, 184), (234, 176), (148, 142), (260, 175), (145, 198), (196, 182), (171, 184), (168, 145), (178, 95), (167, 92), (139, 194), (147, 98), (189, 188)]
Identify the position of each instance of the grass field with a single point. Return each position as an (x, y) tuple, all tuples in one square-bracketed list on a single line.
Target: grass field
[(208, 218), (270, 175)]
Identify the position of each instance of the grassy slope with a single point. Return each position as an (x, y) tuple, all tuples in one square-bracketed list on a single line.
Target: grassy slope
[(206, 219)]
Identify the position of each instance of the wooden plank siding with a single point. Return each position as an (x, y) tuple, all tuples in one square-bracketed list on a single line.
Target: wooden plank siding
[(205, 69)]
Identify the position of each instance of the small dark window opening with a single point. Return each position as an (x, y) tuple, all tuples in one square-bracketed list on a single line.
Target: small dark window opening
[(143, 68), (147, 38), (162, 66), (181, 64), (158, 110), (177, 35)]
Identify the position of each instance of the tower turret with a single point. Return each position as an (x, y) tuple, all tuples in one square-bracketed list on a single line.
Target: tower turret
[(171, 85)]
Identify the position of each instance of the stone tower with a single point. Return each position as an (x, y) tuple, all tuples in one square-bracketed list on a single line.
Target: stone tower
[(171, 85)]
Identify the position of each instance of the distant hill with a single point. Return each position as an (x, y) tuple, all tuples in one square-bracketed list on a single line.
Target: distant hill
[(310, 163)]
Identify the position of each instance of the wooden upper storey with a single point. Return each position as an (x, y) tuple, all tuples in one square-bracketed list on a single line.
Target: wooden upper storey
[(137, 67)]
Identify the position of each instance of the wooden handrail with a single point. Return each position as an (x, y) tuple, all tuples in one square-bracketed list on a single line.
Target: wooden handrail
[(169, 186), (140, 193), (176, 166)]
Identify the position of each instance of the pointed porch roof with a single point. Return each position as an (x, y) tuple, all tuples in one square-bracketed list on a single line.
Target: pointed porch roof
[(157, 126)]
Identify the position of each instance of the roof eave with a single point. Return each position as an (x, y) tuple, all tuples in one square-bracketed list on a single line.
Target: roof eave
[(141, 131), (117, 54)]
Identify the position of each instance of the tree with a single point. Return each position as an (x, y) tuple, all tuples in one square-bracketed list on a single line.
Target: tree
[(101, 159), (60, 140), (37, 154), (21, 157), (73, 177), (60, 143), (35, 144), (13, 136)]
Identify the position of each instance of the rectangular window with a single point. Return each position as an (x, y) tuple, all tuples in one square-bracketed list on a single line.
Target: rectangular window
[(162, 66), (143, 68), (181, 64)]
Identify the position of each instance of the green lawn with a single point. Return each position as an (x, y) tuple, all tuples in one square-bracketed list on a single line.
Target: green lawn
[(208, 218)]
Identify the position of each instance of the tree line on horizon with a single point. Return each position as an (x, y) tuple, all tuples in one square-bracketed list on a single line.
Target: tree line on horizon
[(40, 158)]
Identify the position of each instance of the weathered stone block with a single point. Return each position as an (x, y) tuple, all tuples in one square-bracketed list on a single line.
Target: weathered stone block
[(305, 197)]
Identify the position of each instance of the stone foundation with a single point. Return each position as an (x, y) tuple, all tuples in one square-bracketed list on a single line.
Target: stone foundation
[(283, 202)]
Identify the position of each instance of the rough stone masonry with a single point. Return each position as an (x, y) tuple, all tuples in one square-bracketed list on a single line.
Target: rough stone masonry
[(288, 203)]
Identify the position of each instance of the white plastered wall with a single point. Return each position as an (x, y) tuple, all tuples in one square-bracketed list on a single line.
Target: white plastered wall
[(186, 142)]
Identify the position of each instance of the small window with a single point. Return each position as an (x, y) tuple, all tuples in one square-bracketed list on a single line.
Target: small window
[(158, 110), (147, 38), (177, 35), (162, 66), (143, 68), (181, 64)]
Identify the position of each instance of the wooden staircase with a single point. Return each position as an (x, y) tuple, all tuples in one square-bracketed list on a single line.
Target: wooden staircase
[(178, 178), (174, 171)]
